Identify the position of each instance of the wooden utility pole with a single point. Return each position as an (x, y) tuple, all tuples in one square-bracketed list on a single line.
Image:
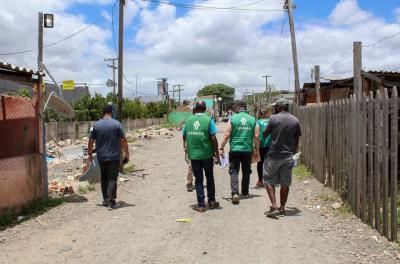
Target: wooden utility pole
[(357, 66), (289, 6), (40, 124), (317, 84), (267, 97), (113, 67), (120, 57)]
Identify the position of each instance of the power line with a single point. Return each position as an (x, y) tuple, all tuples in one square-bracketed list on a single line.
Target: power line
[(60, 40), (200, 7), (113, 30), (382, 40)]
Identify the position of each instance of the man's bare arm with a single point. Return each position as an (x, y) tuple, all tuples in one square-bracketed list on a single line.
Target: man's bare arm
[(257, 138), (124, 144), (214, 141), (227, 135), (267, 131), (90, 149)]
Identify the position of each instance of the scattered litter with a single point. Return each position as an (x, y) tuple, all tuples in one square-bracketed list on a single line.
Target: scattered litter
[(375, 238), (123, 179), (117, 217), (184, 220), (306, 182), (66, 248), (20, 218), (336, 205), (318, 207)]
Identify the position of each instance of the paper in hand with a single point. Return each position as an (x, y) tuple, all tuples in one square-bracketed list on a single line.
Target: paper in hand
[(224, 161)]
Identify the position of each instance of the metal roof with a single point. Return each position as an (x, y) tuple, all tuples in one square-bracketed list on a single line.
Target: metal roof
[(17, 69)]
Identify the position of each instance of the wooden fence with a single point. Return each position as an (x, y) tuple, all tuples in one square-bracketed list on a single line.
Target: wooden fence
[(351, 145)]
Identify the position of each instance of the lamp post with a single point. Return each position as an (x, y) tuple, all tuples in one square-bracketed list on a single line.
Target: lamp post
[(219, 106)]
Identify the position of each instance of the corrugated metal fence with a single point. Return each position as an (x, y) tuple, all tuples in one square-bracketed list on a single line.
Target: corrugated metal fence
[(351, 145)]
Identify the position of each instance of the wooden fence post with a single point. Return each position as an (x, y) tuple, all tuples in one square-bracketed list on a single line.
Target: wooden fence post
[(385, 163), (377, 158), (371, 158), (393, 162), (363, 162)]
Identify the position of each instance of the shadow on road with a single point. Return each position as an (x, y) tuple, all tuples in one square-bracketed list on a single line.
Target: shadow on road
[(250, 196), (193, 206), (75, 199)]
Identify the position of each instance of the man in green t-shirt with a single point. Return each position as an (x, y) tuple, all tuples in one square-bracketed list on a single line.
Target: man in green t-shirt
[(243, 136), (200, 142), (262, 122)]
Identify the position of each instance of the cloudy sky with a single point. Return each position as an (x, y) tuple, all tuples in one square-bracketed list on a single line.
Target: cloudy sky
[(195, 47)]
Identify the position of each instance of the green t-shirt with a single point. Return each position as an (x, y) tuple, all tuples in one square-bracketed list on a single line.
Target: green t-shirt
[(264, 142), (197, 133), (242, 134)]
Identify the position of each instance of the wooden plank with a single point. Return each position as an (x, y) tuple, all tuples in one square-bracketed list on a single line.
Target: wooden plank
[(385, 163), (393, 163), (377, 159), (370, 159), (363, 138), (353, 181)]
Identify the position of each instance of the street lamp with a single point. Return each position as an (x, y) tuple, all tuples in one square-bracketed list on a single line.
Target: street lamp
[(48, 20), (219, 106)]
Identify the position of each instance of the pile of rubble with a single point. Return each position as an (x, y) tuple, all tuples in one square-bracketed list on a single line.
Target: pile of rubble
[(148, 133)]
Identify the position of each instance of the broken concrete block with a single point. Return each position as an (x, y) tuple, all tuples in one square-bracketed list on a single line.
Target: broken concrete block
[(336, 205)]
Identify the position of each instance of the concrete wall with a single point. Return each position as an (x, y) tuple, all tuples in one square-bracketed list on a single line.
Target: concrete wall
[(73, 130), (20, 181)]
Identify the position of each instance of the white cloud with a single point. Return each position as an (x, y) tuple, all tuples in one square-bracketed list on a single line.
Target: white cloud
[(201, 47)]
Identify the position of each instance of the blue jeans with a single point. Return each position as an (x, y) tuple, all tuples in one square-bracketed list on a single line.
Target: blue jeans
[(198, 166)]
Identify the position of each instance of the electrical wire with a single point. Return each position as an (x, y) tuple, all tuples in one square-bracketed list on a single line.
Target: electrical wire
[(113, 29), (200, 7)]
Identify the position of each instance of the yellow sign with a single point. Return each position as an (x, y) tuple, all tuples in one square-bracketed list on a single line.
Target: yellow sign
[(68, 85)]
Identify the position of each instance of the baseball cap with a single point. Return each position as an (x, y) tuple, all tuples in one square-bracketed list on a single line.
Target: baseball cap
[(282, 102), (108, 109)]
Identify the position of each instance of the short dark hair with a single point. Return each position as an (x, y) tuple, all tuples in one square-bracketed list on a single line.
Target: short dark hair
[(108, 109), (200, 106)]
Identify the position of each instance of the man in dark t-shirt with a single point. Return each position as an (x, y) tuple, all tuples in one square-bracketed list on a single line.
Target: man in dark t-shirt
[(285, 131), (109, 136)]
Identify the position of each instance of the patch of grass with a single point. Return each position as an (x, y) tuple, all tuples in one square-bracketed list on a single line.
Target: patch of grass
[(129, 168), (301, 172), (328, 197), (345, 209), (32, 209), (83, 189)]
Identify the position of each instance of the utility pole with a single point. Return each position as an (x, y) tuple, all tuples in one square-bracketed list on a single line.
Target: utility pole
[(267, 98), (120, 57), (357, 66), (113, 67), (179, 93), (317, 84), (136, 93), (289, 6)]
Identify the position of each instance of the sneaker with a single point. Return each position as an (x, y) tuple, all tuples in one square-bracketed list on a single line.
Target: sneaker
[(282, 212), (111, 204), (105, 202), (213, 205), (245, 195), (200, 208), (273, 212), (189, 187), (235, 199)]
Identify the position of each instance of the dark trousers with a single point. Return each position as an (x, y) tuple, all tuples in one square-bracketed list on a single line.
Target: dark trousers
[(109, 174), (198, 166), (263, 155), (235, 160)]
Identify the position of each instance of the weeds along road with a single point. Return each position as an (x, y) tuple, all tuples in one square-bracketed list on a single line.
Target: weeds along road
[(143, 229)]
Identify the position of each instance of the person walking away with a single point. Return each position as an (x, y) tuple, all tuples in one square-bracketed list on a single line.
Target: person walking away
[(285, 131), (189, 178), (200, 142), (243, 136), (109, 137), (262, 122)]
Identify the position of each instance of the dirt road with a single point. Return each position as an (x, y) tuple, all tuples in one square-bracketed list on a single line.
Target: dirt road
[(143, 229)]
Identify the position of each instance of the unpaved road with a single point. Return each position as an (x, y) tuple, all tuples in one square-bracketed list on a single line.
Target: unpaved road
[(143, 229)]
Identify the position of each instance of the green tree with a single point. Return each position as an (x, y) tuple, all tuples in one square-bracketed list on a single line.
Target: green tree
[(226, 92)]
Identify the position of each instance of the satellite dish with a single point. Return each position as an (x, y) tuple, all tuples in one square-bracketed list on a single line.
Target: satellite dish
[(59, 106)]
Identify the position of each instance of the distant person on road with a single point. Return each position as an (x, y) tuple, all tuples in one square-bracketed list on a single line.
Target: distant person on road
[(109, 137), (243, 136), (200, 142), (262, 122), (284, 130)]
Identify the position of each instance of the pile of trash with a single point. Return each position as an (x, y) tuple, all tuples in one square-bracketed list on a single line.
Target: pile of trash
[(56, 149), (148, 133), (61, 188)]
